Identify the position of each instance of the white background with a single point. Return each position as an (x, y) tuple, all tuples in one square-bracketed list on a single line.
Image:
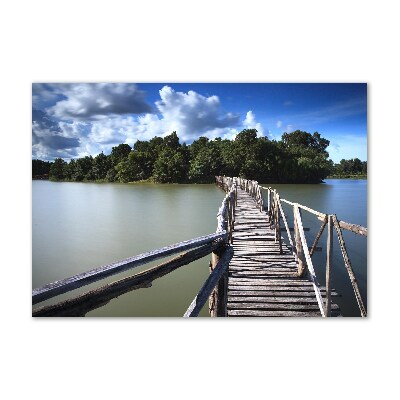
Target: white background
[(208, 41)]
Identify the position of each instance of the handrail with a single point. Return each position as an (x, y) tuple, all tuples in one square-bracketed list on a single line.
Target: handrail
[(226, 221), (82, 304), (65, 285), (203, 245), (309, 262)]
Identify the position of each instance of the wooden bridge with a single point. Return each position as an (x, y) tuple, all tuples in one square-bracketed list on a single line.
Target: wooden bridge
[(263, 275), (253, 272)]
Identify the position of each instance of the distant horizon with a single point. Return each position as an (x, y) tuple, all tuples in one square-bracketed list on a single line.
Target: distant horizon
[(73, 120)]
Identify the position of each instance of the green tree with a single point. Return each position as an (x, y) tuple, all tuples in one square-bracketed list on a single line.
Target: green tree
[(309, 157), (120, 153), (171, 141), (169, 167), (58, 169), (83, 169), (40, 168), (101, 165), (206, 164)]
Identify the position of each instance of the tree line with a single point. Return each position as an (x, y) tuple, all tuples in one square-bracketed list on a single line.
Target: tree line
[(349, 168), (299, 157)]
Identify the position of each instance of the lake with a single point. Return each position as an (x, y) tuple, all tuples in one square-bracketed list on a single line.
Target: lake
[(80, 226)]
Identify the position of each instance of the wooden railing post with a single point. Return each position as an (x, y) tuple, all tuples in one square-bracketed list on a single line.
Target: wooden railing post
[(299, 249), (329, 245), (278, 223), (271, 210), (219, 296), (348, 266)]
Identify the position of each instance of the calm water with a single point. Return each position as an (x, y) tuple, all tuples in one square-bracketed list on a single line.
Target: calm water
[(79, 226)]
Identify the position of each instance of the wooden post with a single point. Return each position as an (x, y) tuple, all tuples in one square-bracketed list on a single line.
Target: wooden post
[(271, 210), (219, 296), (349, 267), (261, 199), (299, 249), (329, 244), (321, 230), (286, 226), (278, 223), (236, 195)]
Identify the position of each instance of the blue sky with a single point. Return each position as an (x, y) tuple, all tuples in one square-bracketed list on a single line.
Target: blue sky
[(71, 120)]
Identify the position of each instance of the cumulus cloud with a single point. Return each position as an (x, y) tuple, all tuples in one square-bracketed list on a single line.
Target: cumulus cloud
[(278, 124), (251, 123), (89, 118), (191, 114), (93, 100)]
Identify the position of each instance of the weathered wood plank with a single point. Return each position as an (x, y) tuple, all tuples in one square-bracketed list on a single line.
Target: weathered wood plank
[(276, 306), (270, 282), (278, 289), (65, 285), (248, 294), (275, 313)]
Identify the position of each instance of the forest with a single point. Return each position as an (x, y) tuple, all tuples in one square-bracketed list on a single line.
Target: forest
[(299, 157)]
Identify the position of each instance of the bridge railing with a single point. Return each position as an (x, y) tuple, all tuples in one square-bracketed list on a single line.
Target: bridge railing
[(298, 244), (215, 287)]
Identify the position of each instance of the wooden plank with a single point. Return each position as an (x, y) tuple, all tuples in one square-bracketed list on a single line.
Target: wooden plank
[(65, 285), (275, 313), (205, 291), (295, 298), (270, 293), (270, 282), (276, 306), (264, 268), (276, 289), (263, 274)]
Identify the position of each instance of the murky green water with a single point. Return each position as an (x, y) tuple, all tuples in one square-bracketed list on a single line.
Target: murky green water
[(80, 226)]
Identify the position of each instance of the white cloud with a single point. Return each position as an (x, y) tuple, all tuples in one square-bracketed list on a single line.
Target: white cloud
[(278, 124), (189, 114), (90, 100), (251, 123)]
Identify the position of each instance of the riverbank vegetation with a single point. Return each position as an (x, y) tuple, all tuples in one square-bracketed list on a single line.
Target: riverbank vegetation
[(349, 169), (299, 157)]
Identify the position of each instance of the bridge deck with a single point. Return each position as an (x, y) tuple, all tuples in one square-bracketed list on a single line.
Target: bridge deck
[(261, 281)]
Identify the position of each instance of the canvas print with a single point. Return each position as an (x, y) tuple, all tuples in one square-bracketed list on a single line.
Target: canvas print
[(199, 199)]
